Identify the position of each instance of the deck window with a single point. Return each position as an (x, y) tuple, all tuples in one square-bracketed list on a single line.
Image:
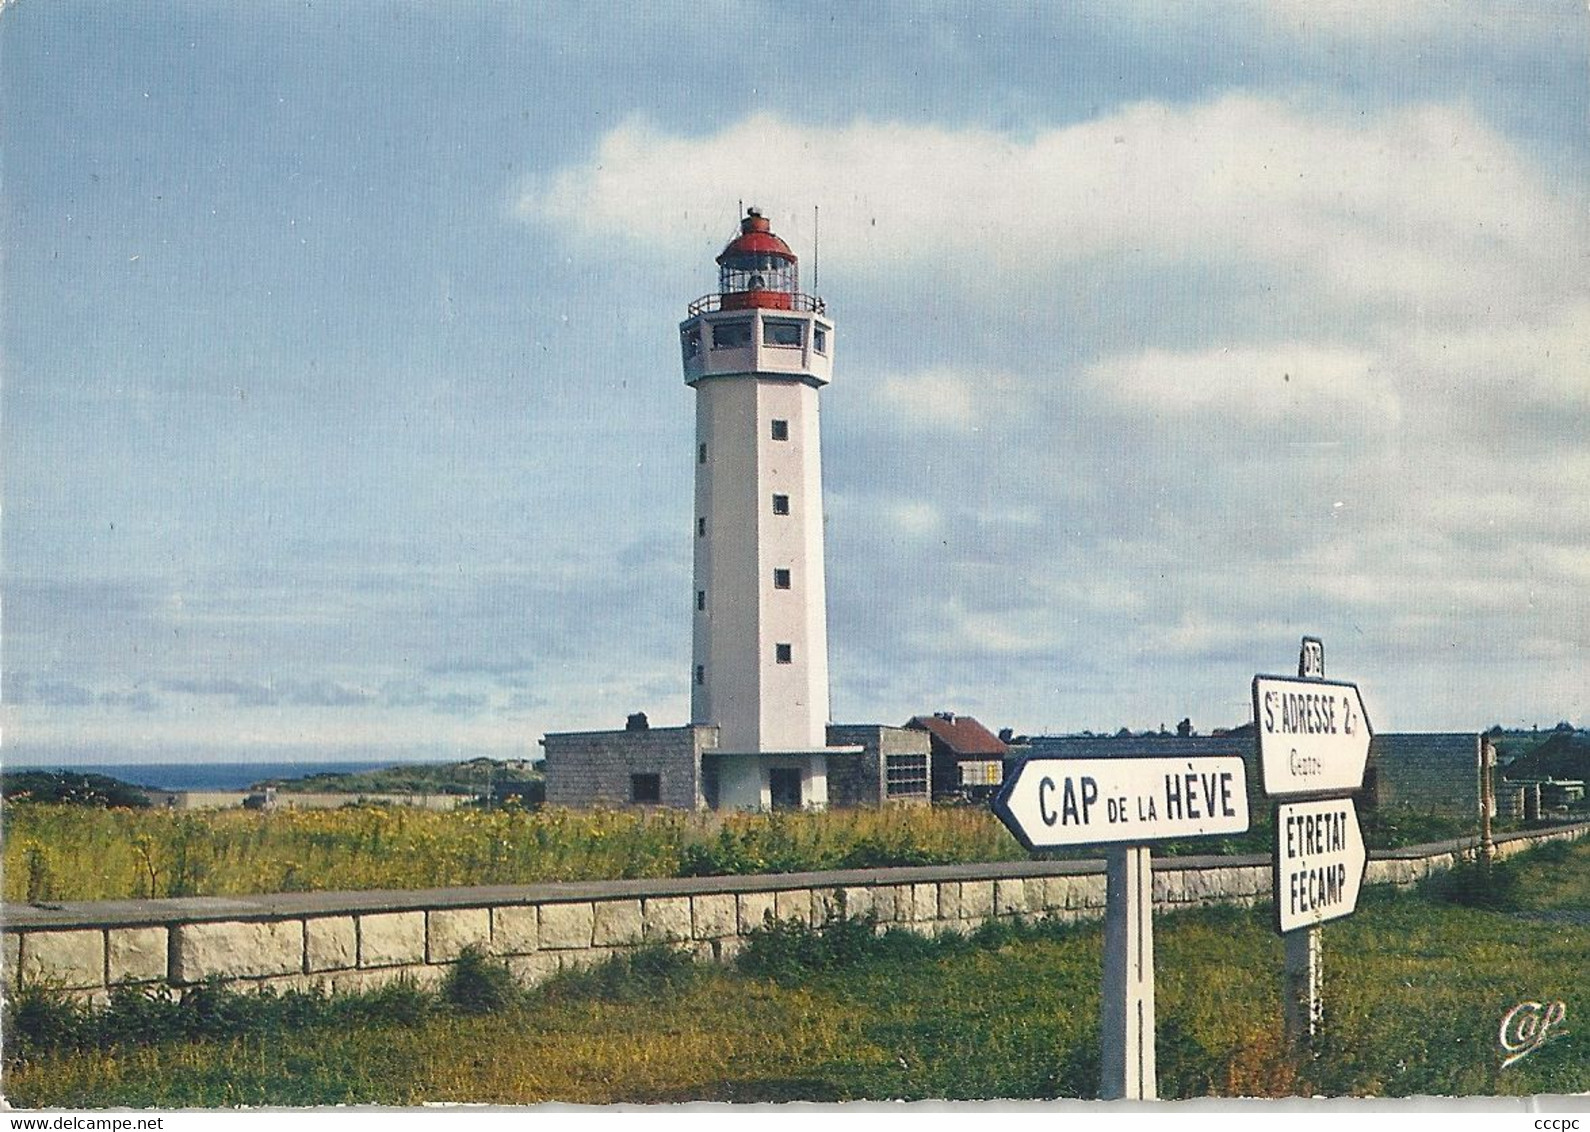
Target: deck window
[(782, 332)]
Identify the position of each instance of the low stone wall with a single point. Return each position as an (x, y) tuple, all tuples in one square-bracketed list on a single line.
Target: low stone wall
[(349, 941)]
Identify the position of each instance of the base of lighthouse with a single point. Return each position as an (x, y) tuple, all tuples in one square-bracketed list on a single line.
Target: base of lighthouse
[(772, 780)]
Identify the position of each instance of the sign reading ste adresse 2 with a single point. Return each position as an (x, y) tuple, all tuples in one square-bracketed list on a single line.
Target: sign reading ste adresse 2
[(1313, 736), (1048, 802)]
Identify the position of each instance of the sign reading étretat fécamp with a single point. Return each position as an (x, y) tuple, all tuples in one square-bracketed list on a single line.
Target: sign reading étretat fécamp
[(1048, 803), (1319, 862)]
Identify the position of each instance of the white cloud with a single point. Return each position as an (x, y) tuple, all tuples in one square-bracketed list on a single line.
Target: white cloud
[(916, 518), (1425, 204), (1276, 383), (1242, 369), (945, 399), (1545, 356)]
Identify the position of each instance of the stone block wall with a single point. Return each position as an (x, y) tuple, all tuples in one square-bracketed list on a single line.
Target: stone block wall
[(348, 941), (593, 768)]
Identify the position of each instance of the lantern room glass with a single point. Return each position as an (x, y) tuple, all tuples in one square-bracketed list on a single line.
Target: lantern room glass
[(757, 271)]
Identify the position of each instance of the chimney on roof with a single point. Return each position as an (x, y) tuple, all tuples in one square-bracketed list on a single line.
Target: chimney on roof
[(946, 716)]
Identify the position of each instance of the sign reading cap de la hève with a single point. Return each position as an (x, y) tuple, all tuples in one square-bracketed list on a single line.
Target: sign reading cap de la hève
[(1049, 802), (1313, 736), (1320, 861)]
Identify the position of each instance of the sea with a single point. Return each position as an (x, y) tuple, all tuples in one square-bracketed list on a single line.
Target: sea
[(206, 776)]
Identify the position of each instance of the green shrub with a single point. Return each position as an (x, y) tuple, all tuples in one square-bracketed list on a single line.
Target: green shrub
[(1184, 1065), (660, 966), (1478, 883), (887, 853), (642, 975), (40, 1020), (399, 1003), (213, 1010), (139, 1015), (478, 985), (1552, 852), (72, 788), (786, 950), (41, 884)]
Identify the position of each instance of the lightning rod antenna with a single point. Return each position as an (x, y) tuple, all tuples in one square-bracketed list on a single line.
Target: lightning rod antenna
[(814, 248)]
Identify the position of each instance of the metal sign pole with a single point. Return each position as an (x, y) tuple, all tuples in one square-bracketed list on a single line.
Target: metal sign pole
[(1126, 1014), (1487, 800), (1304, 1008)]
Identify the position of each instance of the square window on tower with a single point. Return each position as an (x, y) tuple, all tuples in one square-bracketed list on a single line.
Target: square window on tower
[(780, 430), (784, 654), (780, 505), (780, 579), (819, 339)]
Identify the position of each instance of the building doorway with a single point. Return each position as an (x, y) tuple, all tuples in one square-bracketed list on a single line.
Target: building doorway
[(784, 785)]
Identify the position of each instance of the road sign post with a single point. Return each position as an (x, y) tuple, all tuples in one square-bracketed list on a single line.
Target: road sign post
[(1313, 745), (1126, 1008), (1302, 997), (1125, 803)]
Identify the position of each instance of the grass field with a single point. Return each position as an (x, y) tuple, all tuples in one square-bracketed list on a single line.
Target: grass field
[(57, 853), (61, 852), (1415, 991)]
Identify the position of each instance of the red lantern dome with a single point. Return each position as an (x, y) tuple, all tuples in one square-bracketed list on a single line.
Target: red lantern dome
[(757, 269)]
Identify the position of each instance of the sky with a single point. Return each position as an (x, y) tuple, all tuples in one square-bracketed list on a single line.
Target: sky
[(343, 411)]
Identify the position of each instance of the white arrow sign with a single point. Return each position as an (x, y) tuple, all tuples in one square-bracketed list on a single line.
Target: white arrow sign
[(1052, 802), (1313, 736), (1319, 862)]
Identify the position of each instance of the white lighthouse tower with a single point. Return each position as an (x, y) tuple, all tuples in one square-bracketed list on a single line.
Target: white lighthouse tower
[(756, 352)]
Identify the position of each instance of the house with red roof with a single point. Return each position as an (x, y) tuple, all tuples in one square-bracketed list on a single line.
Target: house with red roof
[(968, 760)]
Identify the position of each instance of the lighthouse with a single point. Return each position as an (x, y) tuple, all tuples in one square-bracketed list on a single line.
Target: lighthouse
[(756, 352)]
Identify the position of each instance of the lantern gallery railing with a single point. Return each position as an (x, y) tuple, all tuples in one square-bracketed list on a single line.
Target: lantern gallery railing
[(783, 300)]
